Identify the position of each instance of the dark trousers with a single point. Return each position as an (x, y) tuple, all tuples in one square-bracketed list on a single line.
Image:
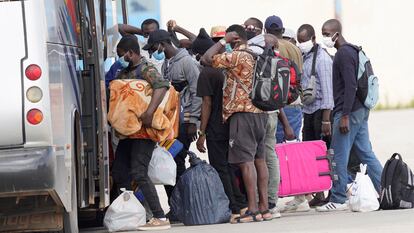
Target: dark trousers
[(218, 157), (139, 153), (184, 138), (312, 128)]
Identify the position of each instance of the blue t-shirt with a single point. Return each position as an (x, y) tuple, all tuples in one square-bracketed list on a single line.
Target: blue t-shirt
[(112, 73)]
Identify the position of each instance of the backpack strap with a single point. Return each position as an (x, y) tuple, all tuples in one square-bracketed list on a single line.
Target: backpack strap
[(315, 54)]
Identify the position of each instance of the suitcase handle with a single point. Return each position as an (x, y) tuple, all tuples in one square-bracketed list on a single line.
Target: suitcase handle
[(332, 165)]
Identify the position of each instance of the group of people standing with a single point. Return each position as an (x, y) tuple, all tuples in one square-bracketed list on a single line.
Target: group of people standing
[(211, 72)]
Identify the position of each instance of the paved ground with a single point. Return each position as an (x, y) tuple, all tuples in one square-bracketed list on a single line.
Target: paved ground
[(391, 131)]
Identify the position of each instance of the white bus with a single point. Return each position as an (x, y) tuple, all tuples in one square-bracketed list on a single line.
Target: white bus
[(53, 126)]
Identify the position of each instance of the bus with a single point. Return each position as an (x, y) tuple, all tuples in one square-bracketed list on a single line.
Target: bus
[(53, 128)]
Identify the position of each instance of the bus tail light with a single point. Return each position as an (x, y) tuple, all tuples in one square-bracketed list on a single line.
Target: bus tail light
[(33, 72), (34, 116)]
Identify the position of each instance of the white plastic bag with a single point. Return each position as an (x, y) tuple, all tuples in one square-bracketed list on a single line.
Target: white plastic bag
[(364, 197), (162, 168), (125, 213)]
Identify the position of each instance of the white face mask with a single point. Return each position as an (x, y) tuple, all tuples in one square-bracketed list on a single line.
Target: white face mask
[(328, 41), (306, 46)]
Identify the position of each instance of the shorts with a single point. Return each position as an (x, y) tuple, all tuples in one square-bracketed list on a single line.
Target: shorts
[(247, 137)]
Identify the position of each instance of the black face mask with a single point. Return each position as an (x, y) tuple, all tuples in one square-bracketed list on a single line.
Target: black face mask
[(250, 34)]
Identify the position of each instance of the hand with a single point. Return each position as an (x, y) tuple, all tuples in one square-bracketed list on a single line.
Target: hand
[(344, 124), (232, 37), (326, 130), (191, 130), (146, 119), (171, 24), (289, 134), (200, 144)]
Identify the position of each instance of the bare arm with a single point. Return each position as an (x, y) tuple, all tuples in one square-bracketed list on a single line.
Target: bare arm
[(173, 27), (205, 112), (125, 29)]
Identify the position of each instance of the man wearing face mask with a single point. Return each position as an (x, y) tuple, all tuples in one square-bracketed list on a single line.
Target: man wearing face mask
[(181, 69), (257, 41), (137, 152), (147, 26), (213, 129), (350, 117), (318, 98)]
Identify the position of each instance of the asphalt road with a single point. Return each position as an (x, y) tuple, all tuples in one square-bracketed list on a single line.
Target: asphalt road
[(390, 131)]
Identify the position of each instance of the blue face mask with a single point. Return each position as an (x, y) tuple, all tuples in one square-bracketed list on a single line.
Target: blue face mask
[(229, 49), (158, 56), (123, 63)]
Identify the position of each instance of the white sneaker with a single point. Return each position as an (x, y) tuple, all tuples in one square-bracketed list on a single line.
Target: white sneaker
[(275, 212), (295, 206), (331, 206)]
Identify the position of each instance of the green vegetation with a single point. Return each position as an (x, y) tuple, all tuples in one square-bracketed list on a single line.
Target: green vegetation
[(388, 106)]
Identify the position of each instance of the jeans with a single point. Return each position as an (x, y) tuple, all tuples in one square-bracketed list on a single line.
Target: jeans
[(272, 161), (358, 137), (141, 154), (294, 116), (184, 138), (218, 158)]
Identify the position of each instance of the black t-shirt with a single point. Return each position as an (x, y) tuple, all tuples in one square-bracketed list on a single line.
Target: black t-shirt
[(210, 83)]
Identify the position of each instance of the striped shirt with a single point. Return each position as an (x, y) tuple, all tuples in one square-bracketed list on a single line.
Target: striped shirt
[(323, 69)]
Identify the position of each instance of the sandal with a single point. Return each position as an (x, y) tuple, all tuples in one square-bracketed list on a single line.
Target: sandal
[(250, 217), (266, 215)]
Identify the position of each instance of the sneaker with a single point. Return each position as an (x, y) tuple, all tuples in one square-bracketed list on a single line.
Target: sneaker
[(295, 206), (331, 206), (275, 212), (156, 224)]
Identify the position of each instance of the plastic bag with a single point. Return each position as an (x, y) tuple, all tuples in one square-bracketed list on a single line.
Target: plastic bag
[(125, 213), (364, 197), (198, 197), (162, 168)]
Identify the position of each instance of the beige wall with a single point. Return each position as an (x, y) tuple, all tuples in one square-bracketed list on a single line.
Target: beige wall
[(382, 27)]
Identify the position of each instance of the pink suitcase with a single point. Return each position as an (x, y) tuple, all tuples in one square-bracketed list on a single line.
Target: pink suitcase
[(305, 167)]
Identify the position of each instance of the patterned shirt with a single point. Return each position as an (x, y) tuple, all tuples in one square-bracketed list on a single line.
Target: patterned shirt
[(323, 70), (148, 72), (238, 67)]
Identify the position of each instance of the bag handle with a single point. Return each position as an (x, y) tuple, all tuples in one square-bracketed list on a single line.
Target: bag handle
[(395, 155)]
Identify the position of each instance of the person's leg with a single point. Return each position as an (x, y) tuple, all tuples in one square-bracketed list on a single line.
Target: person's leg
[(272, 161), (249, 175), (217, 156), (141, 154), (121, 165), (262, 183), (341, 143), (363, 148)]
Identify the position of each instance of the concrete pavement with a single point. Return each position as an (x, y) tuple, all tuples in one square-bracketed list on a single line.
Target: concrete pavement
[(390, 131)]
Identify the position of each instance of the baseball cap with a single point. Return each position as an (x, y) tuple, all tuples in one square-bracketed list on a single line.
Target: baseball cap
[(156, 37), (218, 31), (289, 33), (273, 20)]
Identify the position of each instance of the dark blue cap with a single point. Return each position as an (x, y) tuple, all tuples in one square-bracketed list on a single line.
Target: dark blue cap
[(273, 20), (157, 37)]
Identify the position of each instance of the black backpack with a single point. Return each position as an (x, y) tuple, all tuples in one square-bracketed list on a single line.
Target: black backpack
[(271, 80), (397, 185)]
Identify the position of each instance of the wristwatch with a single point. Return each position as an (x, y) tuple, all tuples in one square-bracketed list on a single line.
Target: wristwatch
[(201, 133)]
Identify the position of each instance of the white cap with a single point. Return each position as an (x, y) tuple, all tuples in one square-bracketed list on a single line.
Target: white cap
[(289, 33)]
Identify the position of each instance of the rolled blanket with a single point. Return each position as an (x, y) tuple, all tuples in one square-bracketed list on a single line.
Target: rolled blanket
[(130, 98)]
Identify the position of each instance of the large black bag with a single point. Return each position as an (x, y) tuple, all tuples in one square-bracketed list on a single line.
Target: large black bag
[(198, 197), (397, 185)]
